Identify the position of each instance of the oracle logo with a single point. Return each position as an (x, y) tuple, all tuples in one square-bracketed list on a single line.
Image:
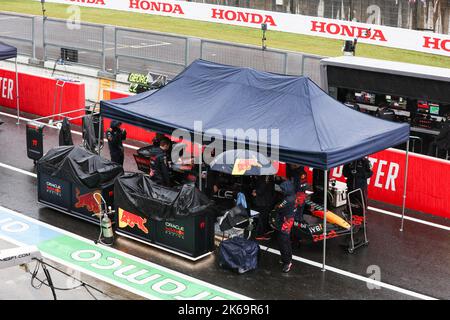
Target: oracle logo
[(240, 16), (96, 2), (347, 30), (436, 43), (156, 6)]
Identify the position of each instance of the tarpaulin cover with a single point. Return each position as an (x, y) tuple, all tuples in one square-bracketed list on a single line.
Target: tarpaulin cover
[(79, 166), (7, 51), (137, 193), (314, 129)]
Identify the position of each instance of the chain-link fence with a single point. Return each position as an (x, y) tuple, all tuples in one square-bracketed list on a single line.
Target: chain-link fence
[(18, 30), (269, 60), (311, 67), (411, 14), (116, 49), (244, 56), (87, 39), (140, 51)]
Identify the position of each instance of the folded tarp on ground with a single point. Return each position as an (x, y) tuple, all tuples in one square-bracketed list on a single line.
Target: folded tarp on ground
[(137, 193), (79, 166)]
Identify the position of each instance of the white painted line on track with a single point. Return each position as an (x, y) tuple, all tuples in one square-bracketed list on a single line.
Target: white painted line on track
[(296, 258), (428, 223), (28, 173), (354, 276), (115, 251)]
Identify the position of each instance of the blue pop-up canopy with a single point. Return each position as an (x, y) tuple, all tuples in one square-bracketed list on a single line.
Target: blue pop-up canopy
[(7, 51), (314, 129)]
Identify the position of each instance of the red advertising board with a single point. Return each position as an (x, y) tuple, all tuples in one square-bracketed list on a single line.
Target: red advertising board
[(37, 94), (428, 188)]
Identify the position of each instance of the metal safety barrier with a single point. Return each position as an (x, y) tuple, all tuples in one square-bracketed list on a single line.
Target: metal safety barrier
[(138, 51), (244, 56), (87, 39), (19, 31), (123, 50)]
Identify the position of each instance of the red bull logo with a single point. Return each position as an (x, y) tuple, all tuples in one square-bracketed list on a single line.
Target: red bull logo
[(87, 201), (330, 235), (243, 165), (128, 219)]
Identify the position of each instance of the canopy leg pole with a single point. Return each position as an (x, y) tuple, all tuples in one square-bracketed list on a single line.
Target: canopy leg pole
[(17, 94), (99, 134), (405, 182), (325, 198), (200, 187)]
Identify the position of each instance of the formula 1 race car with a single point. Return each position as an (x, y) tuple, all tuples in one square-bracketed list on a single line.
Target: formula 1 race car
[(347, 221)]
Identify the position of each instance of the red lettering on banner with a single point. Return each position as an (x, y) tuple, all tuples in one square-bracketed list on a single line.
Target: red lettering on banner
[(436, 43), (318, 26), (217, 14), (333, 28), (6, 88), (230, 15), (241, 16), (156, 6), (347, 30), (134, 4), (378, 34), (96, 2)]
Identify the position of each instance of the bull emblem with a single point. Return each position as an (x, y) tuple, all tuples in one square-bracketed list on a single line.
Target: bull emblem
[(87, 201), (131, 220)]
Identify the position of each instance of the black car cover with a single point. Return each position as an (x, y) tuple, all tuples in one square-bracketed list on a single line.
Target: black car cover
[(65, 135), (90, 131), (137, 193), (79, 166)]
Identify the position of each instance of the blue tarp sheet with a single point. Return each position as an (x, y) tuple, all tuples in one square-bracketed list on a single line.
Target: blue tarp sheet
[(7, 51), (314, 129)]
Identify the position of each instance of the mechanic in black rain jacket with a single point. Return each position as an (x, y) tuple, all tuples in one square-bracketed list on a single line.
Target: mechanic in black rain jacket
[(285, 216), (115, 135), (263, 198), (159, 166), (357, 173)]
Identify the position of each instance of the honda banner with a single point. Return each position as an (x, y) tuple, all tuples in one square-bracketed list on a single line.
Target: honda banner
[(392, 37)]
